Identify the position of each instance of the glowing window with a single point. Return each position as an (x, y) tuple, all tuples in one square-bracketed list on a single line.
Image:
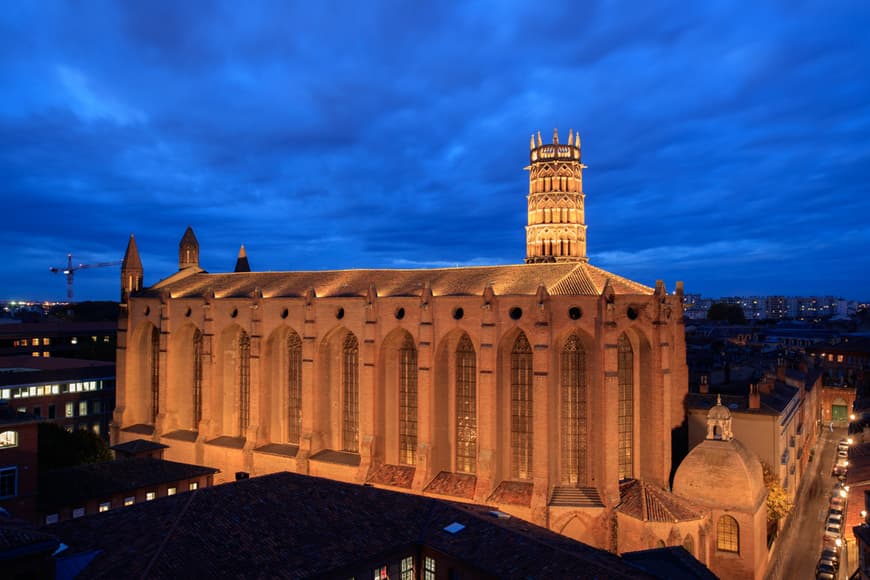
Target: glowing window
[(407, 402), (428, 568), (105, 506), (521, 408), (350, 394), (69, 410), (197, 377), (244, 382), (193, 486), (154, 358), (727, 535), (171, 491), (294, 387), (407, 568), (466, 406), (128, 501), (626, 407), (573, 378), (150, 495), (8, 439)]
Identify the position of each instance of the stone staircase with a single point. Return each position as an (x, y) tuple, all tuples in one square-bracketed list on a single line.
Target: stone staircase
[(570, 496)]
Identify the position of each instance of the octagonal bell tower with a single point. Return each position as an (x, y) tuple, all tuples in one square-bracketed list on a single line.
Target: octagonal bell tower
[(556, 231)]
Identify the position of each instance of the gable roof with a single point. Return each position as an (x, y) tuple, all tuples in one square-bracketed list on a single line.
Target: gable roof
[(572, 278)]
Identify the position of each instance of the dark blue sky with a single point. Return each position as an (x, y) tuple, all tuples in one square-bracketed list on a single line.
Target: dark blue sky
[(728, 143)]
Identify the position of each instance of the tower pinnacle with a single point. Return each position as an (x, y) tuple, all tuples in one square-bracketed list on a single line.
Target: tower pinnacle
[(132, 272)]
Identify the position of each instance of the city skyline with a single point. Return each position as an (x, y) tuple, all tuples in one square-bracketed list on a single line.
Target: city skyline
[(725, 143)]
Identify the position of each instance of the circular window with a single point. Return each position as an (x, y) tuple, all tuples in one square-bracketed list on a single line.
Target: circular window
[(575, 313), (284, 313), (400, 313), (631, 312), (339, 313), (235, 312), (147, 310), (458, 313), (516, 312), (187, 312)]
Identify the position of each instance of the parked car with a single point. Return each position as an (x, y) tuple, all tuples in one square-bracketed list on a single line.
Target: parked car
[(832, 530), (831, 555), (839, 471), (835, 510), (838, 518), (825, 572)]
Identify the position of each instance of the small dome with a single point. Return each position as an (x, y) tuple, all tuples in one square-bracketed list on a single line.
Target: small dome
[(721, 473), (719, 412)]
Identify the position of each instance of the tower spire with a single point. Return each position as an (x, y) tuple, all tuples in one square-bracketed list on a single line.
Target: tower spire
[(556, 230), (132, 272), (188, 250), (242, 264)]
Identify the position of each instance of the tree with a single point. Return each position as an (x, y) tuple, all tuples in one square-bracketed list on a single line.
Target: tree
[(733, 313), (778, 504), (60, 448)]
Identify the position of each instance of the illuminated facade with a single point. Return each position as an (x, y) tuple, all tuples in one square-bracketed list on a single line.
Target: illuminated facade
[(536, 388)]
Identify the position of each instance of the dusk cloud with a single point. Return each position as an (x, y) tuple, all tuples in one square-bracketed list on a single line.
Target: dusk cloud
[(726, 142)]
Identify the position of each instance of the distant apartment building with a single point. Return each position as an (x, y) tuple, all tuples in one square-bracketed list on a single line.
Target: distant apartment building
[(92, 340), (845, 364), (75, 394), (19, 470), (695, 306), (776, 419)]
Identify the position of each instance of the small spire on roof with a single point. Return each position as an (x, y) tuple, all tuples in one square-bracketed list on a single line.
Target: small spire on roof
[(242, 264)]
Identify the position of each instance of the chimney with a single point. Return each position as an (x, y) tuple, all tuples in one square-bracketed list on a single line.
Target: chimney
[(765, 385), (704, 388), (754, 397)]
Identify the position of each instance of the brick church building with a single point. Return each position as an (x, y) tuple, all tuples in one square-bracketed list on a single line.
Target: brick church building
[(548, 389)]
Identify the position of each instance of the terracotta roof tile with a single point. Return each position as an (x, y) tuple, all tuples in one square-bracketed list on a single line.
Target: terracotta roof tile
[(521, 279), (395, 475), (645, 502), (513, 492), (454, 484)]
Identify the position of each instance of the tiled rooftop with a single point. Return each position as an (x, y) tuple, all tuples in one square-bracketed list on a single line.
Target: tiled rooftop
[(70, 485), (292, 526), (647, 503), (523, 279)]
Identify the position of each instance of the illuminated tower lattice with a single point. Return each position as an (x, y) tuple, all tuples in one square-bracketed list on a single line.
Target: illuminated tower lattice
[(556, 230)]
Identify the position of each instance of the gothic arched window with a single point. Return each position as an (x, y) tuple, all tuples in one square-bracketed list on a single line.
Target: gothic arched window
[(626, 406), (521, 409), (727, 535), (689, 544), (197, 377), (350, 394), (407, 402), (154, 356), (574, 399), (466, 406), (244, 382), (294, 387)]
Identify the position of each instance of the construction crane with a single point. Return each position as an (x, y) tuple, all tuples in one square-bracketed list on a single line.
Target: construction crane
[(70, 269)]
